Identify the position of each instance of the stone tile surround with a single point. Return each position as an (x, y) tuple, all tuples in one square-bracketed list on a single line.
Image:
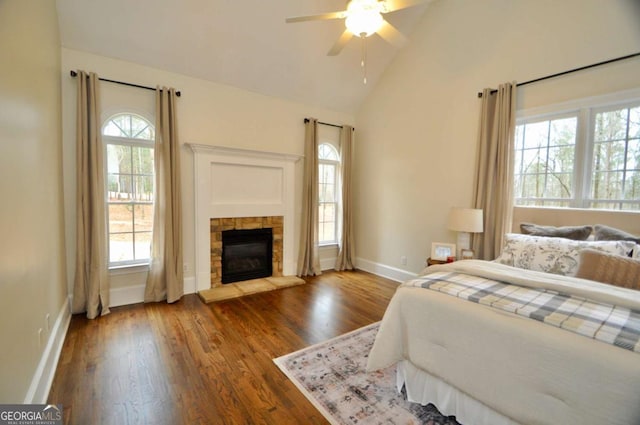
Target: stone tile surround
[(218, 225)]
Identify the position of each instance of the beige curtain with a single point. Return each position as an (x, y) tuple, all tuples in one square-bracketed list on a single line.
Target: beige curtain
[(91, 284), (309, 259), (346, 253), (165, 279), (493, 192)]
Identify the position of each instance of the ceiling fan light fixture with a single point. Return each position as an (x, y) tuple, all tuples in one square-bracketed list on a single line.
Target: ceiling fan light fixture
[(363, 17)]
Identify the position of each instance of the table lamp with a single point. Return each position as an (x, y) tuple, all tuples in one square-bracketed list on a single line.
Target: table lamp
[(465, 221)]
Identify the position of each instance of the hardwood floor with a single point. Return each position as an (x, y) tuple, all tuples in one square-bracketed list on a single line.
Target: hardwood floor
[(191, 363)]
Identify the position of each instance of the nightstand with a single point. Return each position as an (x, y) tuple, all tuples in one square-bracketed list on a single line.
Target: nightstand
[(431, 262)]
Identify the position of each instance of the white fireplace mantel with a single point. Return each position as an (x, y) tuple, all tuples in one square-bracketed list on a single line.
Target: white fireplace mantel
[(231, 182)]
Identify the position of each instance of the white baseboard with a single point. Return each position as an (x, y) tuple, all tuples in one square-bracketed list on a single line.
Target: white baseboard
[(383, 270), (43, 377), (135, 294), (190, 285)]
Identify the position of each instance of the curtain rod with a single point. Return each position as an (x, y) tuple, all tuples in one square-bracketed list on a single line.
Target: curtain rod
[(306, 120), (593, 65), (75, 74)]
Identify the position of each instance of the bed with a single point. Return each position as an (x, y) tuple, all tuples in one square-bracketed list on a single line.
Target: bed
[(479, 355)]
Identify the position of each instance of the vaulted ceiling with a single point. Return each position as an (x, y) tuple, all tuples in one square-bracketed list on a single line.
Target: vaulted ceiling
[(242, 43)]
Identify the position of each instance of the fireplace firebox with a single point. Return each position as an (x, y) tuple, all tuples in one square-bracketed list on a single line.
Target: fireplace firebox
[(246, 254)]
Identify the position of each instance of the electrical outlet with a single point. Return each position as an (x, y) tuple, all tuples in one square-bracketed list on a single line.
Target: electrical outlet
[(403, 260), (47, 321)]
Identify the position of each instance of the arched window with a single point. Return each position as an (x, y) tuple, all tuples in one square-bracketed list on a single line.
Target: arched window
[(129, 140), (328, 202)]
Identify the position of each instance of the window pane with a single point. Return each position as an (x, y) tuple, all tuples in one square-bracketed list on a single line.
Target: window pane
[(536, 134), (559, 185), (322, 193), (633, 155), (609, 156), (143, 188), (611, 125), (607, 185), (118, 158), (111, 129), (143, 217), (129, 126), (327, 212), (121, 247), (560, 159), (634, 123), (119, 187), (326, 173), (143, 245), (563, 132), (327, 151), (142, 160), (544, 161), (632, 186), (326, 219), (534, 160), (533, 186), (120, 218)]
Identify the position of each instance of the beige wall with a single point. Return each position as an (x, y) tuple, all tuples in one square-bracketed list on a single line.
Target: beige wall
[(208, 113), (32, 269), (417, 129)]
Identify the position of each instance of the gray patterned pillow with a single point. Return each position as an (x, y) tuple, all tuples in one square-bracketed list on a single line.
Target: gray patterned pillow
[(553, 255), (606, 233), (576, 233)]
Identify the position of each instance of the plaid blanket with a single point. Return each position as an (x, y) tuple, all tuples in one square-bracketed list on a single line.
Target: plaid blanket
[(612, 324)]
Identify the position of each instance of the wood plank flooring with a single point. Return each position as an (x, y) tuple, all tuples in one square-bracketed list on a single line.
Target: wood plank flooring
[(191, 363)]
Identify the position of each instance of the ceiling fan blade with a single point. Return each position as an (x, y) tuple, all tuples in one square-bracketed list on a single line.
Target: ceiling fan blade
[(339, 45), (323, 16), (393, 5), (391, 34)]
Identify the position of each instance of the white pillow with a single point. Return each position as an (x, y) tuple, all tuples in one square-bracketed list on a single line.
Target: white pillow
[(553, 255)]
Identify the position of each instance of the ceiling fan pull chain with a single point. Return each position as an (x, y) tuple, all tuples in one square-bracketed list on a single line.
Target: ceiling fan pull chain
[(363, 62)]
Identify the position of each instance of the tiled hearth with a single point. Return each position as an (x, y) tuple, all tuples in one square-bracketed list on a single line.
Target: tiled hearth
[(218, 225)]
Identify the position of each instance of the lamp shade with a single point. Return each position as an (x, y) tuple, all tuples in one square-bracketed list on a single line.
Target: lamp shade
[(466, 220)]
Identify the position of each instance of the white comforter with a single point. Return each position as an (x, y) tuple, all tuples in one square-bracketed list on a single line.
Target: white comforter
[(529, 371)]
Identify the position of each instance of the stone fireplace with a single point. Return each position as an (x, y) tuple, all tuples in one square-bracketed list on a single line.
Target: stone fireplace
[(238, 189), (221, 226)]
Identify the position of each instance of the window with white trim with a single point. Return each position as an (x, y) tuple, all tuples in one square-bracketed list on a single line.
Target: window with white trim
[(129, 141), (328, 203), (587, 157)]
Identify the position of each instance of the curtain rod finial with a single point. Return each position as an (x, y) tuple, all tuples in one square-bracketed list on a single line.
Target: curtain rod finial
[(479, 94)]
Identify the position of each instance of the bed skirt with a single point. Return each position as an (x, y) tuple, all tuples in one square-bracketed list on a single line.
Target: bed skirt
[(424, 388)]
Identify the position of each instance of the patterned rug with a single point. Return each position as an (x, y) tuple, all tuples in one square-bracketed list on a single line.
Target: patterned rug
[(332, 376)]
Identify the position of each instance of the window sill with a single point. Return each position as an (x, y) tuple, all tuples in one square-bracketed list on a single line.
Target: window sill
[(329, 245), (128, 269)]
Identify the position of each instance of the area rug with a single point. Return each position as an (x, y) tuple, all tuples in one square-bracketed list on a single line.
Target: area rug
[(332, 376)]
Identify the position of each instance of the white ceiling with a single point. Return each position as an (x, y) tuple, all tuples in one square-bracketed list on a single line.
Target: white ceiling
[(242, 43)]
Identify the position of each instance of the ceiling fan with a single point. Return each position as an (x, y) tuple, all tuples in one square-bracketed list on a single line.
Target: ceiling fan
[(363, 18)]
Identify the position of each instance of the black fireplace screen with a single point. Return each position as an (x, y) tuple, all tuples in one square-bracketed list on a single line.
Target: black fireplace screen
[(246, 254)]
